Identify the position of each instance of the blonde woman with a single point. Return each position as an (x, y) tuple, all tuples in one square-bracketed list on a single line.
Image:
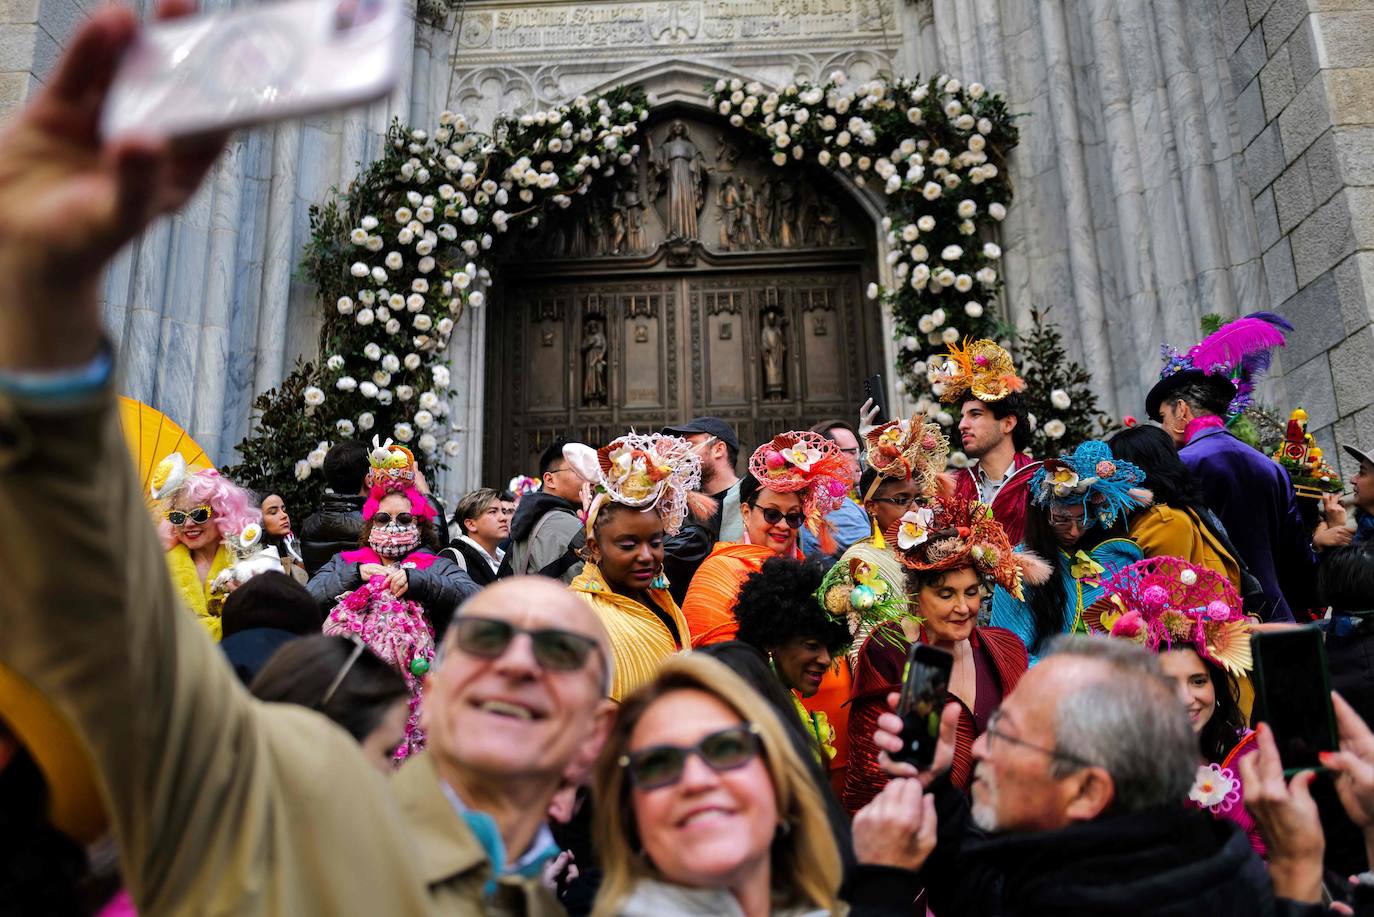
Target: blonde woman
[(705, 807)]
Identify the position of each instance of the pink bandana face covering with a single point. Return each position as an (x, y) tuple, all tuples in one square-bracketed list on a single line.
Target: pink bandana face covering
[(394, 540)]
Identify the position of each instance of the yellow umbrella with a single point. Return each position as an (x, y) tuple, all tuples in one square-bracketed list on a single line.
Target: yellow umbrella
[(152, 436)]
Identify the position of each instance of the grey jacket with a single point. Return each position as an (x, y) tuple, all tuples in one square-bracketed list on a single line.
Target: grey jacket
[(440, 588)]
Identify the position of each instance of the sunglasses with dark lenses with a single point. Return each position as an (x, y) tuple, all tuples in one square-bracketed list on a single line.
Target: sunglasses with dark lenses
[(662, 765), (774, 516), (554, 650), (385, 518), (200, 515)]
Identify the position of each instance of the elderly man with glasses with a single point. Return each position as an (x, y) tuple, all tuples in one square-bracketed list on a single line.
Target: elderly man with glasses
[(1079, 801), (220, 803)]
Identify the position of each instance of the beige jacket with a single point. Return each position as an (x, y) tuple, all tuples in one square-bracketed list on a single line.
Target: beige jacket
[(220, 804)]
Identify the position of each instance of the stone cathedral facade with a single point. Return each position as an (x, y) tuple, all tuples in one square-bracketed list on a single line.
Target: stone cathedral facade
[(1176, 159)]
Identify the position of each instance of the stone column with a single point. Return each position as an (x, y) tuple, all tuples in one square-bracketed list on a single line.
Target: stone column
[(1304, 71)]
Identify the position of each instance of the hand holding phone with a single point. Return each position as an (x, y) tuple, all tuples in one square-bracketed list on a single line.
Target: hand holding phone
[(1293, 694), (925, 683)]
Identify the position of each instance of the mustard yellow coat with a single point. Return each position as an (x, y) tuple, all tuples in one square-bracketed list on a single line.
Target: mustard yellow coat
[(1162, 531), (640, 641)]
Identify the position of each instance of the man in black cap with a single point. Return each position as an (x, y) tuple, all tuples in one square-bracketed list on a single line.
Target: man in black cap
[(715, 441)]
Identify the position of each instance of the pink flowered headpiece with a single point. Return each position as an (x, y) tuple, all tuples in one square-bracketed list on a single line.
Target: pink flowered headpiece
[(393, 472), (804, 463)]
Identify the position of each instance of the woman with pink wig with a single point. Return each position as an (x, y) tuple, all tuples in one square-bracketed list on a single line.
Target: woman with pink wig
[(203, 515)]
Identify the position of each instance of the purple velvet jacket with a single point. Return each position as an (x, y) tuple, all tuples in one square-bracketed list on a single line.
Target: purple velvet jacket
[(1254, 499)]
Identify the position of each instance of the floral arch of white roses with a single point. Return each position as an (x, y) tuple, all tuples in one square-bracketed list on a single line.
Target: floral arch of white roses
[(400, 255)]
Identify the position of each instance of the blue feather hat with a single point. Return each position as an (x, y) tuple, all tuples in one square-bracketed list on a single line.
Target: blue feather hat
[(1091, 477)]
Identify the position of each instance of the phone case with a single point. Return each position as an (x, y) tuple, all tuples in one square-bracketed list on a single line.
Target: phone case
[(1261, 710)]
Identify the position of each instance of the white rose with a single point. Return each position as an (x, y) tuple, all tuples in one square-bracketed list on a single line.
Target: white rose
[(925, 223), (476, 298), (910, 343), (951, 253), (872, 291), (366, 420), (953, 108), (369, 223), (919, 253), (932, 190), (964, 122), (405, 392), (845, 160), (379, 275), (451, 448), (368, 389), (384, 397), (428, 443), (445, 326), (313, 395), (403, 432), (396, 301), (958, 459), (344, 426), (1054, 429), (429, 400), (358, 236), (914, 115), (967, 228), (424, 419), (365, 317), (967, 208), (919, 275), (997, 211), (394, 261), (963, 283), (984, 126), (393, 325), (346, 384), (415, 303), (335, 362), (992, 250), (945, 277), (910, 233), (986, 276), (412, 361), (823, 157), (973, 309), (403, 215), (367, 297), (390, 363), (925, 324), (302, 470), (950, 335), (975, 90), (345, 305), (1060, 399)]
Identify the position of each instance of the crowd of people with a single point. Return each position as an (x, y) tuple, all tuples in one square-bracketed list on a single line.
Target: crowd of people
[(661, 678)]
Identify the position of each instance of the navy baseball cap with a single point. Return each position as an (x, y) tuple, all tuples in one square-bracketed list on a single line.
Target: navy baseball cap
[(712, 426)]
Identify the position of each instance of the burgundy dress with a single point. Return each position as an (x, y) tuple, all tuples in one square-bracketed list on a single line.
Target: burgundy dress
[(999, 661)]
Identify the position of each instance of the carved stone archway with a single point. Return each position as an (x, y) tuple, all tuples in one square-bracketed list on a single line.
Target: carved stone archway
[(703, 280)]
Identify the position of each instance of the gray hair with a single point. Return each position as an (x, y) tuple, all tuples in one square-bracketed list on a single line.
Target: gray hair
[(450, 637), (1202, 398), (1129, 722)]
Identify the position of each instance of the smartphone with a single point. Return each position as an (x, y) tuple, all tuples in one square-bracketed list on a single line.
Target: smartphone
[(249, 66), (925, 683), (873, 388), (1293, 694)]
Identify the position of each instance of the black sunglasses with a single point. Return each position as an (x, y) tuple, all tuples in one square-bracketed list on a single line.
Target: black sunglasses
[(774, 516), (200, 515), (385, 518), (554, 650), (662, 765), (901, 501)]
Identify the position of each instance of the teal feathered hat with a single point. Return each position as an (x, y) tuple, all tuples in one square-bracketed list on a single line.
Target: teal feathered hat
[(1090, 476)]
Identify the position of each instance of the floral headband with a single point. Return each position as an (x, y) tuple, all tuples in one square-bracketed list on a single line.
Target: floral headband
[(1091, 477), (806, 463), (644, 471), (907, 449), (952, 533), (1167, 603), (982, 369), (393, 471)]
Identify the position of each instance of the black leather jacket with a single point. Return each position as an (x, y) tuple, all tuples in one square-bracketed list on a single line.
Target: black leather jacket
[(335, 527)]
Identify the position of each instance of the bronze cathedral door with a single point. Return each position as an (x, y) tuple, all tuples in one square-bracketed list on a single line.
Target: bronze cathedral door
[(702, 283)]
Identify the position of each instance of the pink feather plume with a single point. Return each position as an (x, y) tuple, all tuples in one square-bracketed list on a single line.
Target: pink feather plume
[(1230, 344)]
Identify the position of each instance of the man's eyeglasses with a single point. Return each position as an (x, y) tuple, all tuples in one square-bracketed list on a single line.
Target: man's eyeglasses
[(994, 732), (386, 518), (555, 650), (1065, 523), (900, 502), (662, 765), (200, 515), (774, 516)]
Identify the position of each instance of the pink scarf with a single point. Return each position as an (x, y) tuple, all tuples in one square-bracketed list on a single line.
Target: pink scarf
[(1198, 424)]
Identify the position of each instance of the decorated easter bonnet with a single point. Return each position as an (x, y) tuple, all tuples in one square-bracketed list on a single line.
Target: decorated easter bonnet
[(640, 470), (982, 370), (803, 463), (1091, 477), (952, 533), (1230, 360), (907, 449), (392, 471), (1167, 603), (867, 585)]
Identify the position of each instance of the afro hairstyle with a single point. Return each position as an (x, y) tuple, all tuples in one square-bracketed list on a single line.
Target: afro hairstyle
[(779, 603)]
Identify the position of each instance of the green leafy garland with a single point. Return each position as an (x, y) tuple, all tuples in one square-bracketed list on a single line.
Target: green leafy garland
[(398, 257), (937, 150)]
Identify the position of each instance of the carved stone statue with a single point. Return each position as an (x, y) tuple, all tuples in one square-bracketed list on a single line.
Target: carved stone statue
[(748, 215), (773, 345), (729, 202), (785, 199), (594, 364), (826, 220), (680, 171), (627, 216)]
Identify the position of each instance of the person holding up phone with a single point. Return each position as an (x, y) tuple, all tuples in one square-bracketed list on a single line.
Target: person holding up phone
[(945, 552), (1077, 801), (1192, 617)]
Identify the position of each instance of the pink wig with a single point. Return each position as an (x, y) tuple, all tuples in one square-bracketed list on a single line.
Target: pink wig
[(419, 505), (233, 507)]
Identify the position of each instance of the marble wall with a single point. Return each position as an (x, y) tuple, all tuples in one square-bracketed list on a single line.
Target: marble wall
[(1176, 159)]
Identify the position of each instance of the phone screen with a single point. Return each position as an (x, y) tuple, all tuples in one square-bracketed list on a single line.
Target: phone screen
[(925, 682), (1295, 697)]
